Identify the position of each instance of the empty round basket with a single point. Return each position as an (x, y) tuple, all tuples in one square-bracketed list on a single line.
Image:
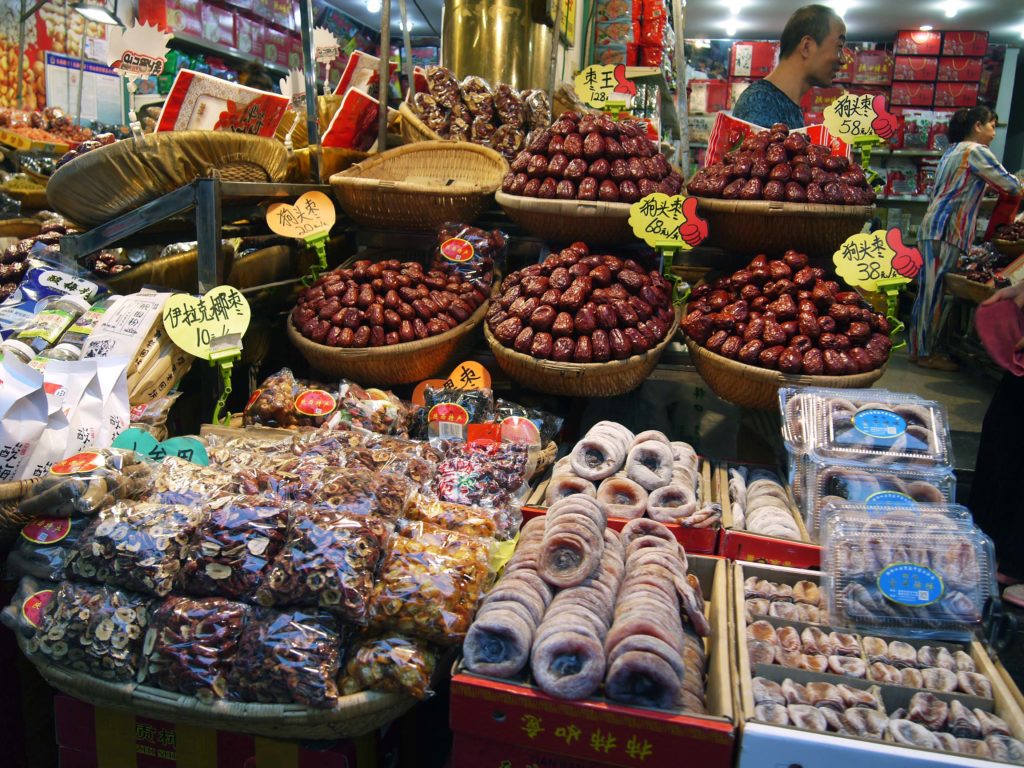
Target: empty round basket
[(566, 221)]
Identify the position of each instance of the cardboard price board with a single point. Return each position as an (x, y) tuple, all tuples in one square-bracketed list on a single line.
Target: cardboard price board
[(139, 51), (599, 84), (662, 221), (193, 322), (865, 259), (852, 117), (311, 216)]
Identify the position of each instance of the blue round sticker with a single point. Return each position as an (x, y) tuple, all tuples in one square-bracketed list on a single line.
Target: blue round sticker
[(911, 584), (887, 500), (880, 424)]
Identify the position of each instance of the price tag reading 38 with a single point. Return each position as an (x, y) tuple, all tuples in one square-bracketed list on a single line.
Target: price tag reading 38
[(662, 221), (599, 84), (864, 259)]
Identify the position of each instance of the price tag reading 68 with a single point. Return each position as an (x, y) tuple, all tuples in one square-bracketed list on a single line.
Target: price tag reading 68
[(662, 221), (864, 259)]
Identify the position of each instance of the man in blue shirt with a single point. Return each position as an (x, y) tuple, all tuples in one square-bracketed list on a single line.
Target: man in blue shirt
[(810, 54)]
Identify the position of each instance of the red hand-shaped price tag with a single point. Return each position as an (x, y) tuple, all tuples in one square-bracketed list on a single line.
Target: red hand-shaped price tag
[(662, 221), (885, 123), (908, 261), (857, 117), (865, 259)]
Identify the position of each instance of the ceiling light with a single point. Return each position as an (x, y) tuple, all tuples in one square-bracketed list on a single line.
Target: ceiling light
[(926, 27), (841, 8), (98, 13), (373, 6), (409, 24), (952, 8), (731, 28)]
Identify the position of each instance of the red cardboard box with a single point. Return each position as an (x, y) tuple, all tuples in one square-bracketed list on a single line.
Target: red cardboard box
[(178, 16), (249, 36), (218, 25), (845, 73), (294, 45), (956, 94), (872, 68), (275, 46), (916, 68), (917, 43), (912, 94), (708, 96), (753, 59), (282, 13), (817, 99), (960, 69), (264, 9), (965, 44)]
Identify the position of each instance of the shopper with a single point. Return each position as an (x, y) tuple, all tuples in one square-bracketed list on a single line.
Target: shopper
[(810, 54), (995, 489), (947, 229), (255, 76)]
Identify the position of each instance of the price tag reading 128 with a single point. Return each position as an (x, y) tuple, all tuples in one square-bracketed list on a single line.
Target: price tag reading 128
[(599, 84), (662, 221), (864, 259)]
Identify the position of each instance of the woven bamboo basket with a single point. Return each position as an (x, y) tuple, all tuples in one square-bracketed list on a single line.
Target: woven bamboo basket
[(758, 388), (749, 227), (20, 228), (615, 377), (388, 366), (420, 186), (33, 200), (354, 715), (11, 520), (115, 179), (1009, 247), (970, 290), (566, 221), (413, 129)]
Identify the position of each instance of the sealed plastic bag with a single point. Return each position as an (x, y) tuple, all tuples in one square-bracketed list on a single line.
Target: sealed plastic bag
[(28, 607), (390, 662), (469, 252), (45, 547), (88, 482), (463, 518), (176, 481), (23, 416), (483, 473)]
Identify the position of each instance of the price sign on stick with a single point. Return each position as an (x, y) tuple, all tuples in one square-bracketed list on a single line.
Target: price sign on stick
[(597, 85), (669, 224), (194, 322), (310, 219), (139, 51), (852, 117)]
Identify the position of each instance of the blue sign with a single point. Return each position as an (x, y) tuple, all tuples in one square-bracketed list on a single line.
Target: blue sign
[(880, 424), (881, 500), (911, 584)]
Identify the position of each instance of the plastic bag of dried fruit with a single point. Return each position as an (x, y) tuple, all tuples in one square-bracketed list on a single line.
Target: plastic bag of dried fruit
[(286, 402), (45, 547), (351, 491), (27, 608), (498, 523), (390, 662), (291, 656), (372, 409), (232, 550), (177, 481), (429, 583), (137, 545), (94, 629), (328, 560), (484, 473), (469, 252), (190, 644)]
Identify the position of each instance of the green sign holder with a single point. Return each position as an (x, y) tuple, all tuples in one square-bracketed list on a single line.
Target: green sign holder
[(891, 288)]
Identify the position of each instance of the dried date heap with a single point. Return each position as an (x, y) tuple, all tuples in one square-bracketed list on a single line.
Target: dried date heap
[(578, 307), (782, 166), (587, 157), (390, 302), (785, 315)]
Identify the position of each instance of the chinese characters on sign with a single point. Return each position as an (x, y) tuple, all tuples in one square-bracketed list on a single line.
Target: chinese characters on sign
[(599, 84), (662, 221), (865, 259), (852, 117), (310, 217), (194, 322), (604, 742)]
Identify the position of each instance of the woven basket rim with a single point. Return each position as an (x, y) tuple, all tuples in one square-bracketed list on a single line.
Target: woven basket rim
[(362, 174), (15, 489), (407, 113), (965, 288), (778, 208), (594, 208), (394, 350)]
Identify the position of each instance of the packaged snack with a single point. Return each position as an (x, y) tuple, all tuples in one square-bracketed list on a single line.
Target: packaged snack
[(372, 409), (39, 283), (451, 410), (429, 111), (477, 96), (548, 424), (509, 106), (469, 252), (507, 140), (287, 657), (177, 481), (45, 547), (538, 109), (25, 612), (443, 86), (428, 585), (232, 550), (349, 491), (190, 644), (152, 416), (94, 629), (328, 561), (87, 483), (483, 473), (285, 402), (897, 516), (499, 523), (23, 416), (390, 662), (137, 545)]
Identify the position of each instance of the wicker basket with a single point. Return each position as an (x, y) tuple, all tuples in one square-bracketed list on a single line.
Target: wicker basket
[(969, 290), (566, 221), (579, 379), (1009, 247), (420, 186), (749, 227), (11, 520), (115, 179), (20, 228), (387, 366), (413, 129), (758, 388), (332, 160), (355, 715)]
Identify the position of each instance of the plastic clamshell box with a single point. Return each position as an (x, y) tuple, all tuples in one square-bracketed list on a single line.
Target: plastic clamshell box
[(595, 731), (795, 407), (899, 515), (828, 482), (880, 428), (915, 576), (769, 745)]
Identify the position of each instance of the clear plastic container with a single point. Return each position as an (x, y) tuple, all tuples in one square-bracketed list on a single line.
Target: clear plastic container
[(795, 407), (879, 428), (922, 576), (18, 349), (896, 518), (826, 482), (79, 331), (64, 352), (53, 315)]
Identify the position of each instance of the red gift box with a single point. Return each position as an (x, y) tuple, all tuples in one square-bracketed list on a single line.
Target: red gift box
[(275, 46), (650, 56), (960, 69), (249, 35), (652, 32), (178, 16), (218, 25), (708, 96), (282, 10), (817, 99), (916, 68), (753, 59), (917, 43), (956, 94), (872, 68), (294, 47), (913, 94), (965, 44), (845, 73), (654, 9)]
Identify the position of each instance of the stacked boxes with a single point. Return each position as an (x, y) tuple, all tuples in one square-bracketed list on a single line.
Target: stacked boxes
[(938, 69)]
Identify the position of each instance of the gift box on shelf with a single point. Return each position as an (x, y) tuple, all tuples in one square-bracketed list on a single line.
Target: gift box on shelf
[(913, 94), (965, 43), (248, 35), (708, 96), (700, 128), (177, 16), (753, 59), (817, 99), (959, 69), (873, 68), (737, 85), (845, 72), (956, 94), (915, 42), (218, 25), (916, 68)]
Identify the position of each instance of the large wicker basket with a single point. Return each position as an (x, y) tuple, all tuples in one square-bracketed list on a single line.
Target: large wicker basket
[(387, 366), (354, 715), (1009, 247), (748, 227), (11, 520), (112, 180), (969, 290), (413, 129), (420, 186), (758, 388), (566, 221), (579, 379)]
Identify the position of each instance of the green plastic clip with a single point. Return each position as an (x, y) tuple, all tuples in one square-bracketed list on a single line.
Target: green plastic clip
[(864, 145), (318, 243), (614, 107), (680, 288), (891, 288), (225, 351)]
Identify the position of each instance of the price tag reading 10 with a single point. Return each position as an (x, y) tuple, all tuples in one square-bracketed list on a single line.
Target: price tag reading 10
[(193, 322), (865, 259)]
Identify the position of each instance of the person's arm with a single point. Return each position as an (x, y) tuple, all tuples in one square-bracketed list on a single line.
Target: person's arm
[(1013, 293), (982, 162)]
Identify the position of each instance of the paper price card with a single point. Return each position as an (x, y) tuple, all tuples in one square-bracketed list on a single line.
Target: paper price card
[(668, 222), (859, 117), (193, 322), (325, 45), (599, 84), (138, 51), (311, 217), (865, 259), (142, 442)]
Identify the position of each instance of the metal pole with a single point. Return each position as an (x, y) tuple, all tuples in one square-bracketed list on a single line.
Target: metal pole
[(21, 56), (208, 226), (556, 45), (309, 67), (407, 42), (682, 104), (383, 74), (81, 77)]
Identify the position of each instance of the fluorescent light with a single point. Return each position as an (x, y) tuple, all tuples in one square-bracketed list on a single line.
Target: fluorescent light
[(373, 6), (731, 28), (841, 7), (952, 8), (97, 13), (409, 24), (926, 27)]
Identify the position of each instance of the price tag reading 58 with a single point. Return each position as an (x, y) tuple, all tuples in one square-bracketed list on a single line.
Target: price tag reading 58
[(852, 117), (864, 259)]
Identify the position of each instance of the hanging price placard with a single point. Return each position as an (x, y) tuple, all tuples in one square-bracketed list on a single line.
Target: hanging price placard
[(194, 322), (662, 221), (852, 117), (864, 260), (138, 51), (142, 442), (311, 216), (599, 84)]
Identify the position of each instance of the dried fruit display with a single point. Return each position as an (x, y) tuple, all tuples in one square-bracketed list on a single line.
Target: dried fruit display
[(390, 662), (787, 167), (1013, 232), (785, 315)]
